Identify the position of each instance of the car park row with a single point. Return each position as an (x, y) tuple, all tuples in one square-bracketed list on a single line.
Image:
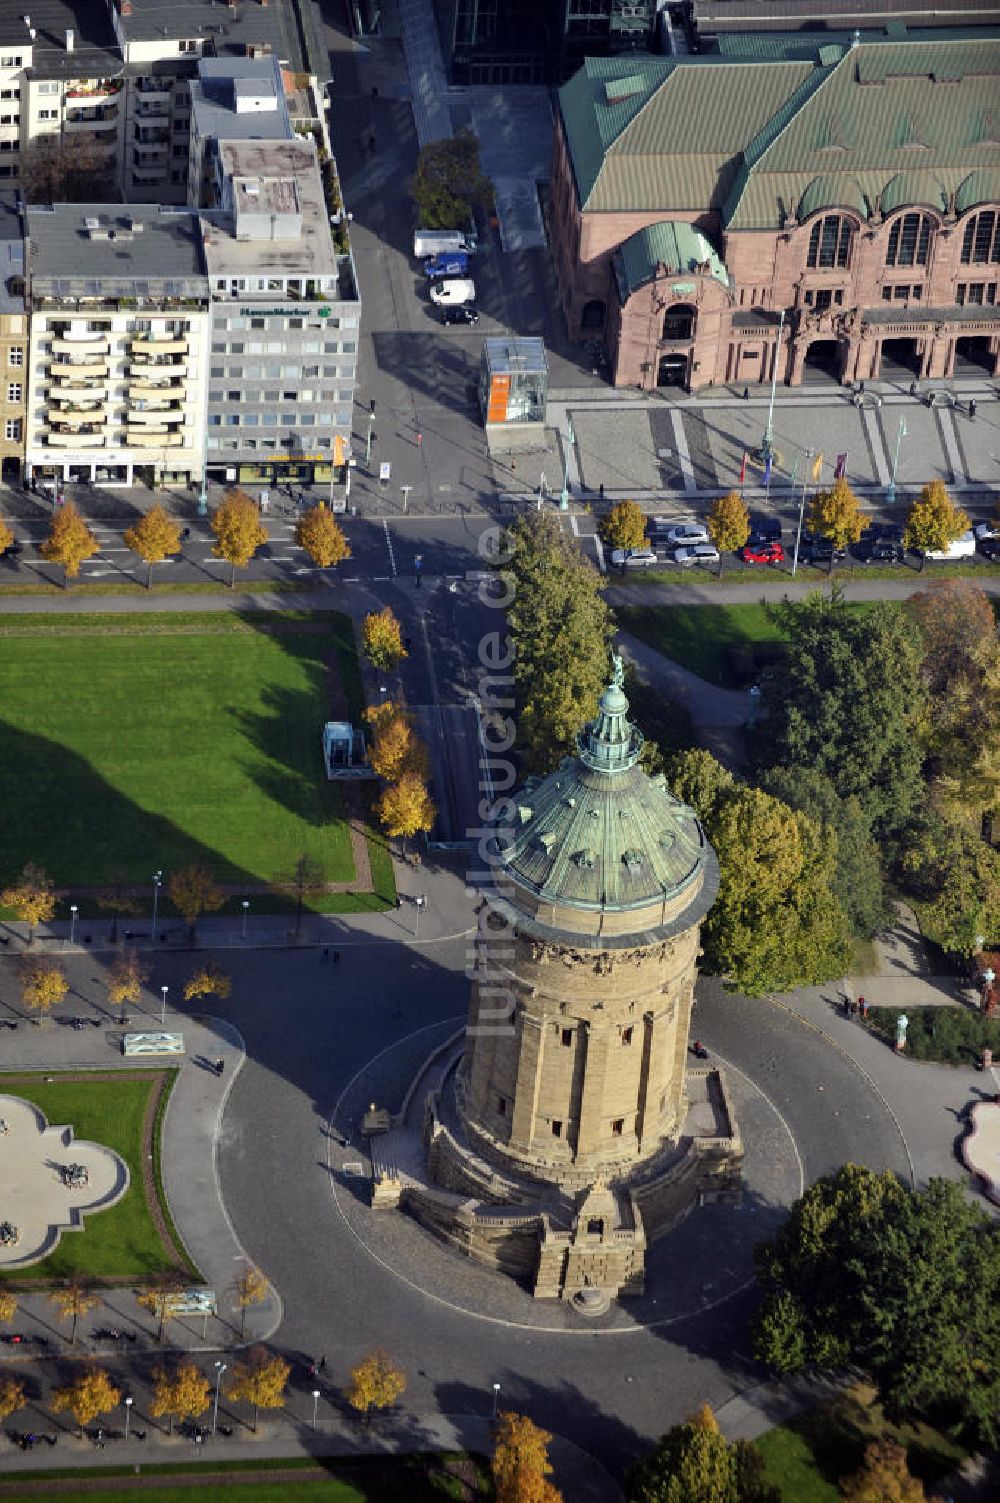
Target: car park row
[(688, 543)]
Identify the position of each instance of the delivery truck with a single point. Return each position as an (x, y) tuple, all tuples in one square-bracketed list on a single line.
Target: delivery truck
[(441, 242)]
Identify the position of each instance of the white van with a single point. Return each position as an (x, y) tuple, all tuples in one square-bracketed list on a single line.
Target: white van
[(963, 547), (440, 242), (453, 291)]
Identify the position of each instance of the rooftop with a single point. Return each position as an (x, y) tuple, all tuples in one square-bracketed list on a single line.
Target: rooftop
[(96, 52), (278, 167), (671, 243), (109, 250), (225, 31), (225, 86)]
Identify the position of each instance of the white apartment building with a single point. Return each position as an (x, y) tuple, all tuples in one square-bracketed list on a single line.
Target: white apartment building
[(118, 357)]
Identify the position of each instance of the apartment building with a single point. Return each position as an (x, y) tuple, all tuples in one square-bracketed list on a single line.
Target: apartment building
[(119, 310), (13, 342), (285, 315), (231, 99)]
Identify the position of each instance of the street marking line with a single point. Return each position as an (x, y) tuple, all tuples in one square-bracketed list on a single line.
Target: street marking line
[(388, 544), (599, 546), (947, 429), (869, 417), (683, 452)]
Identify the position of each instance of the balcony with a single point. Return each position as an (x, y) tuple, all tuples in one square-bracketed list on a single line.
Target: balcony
[(152, 88), (102, 120), (154, 418), (88, 344), (152, 114), (93, 90), (75, 417), (59, 440), (136, 439), (152, 345), (147, 368), (79, 370), (151, 390)]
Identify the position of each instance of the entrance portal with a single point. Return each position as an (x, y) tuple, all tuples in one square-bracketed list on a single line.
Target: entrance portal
[(672, 370), (822, 362), (593, 313), (901, 359), (973, 355)]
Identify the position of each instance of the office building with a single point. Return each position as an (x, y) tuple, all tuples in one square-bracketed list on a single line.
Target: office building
[(516, 41), (13, 342)]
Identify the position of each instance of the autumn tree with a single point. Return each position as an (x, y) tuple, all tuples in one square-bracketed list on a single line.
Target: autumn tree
[(957, 629), (306, 876), (118, 899), (406, 808), (396, 748), (87, 1395), (193, 892), (883, 1477), (180, 1392), (382, 639), (259, 1380), (8, 1305), (624, 526), (934, 521), (160, 1301), (728, 524), (71, 1301), (12, 1396), (836, 514), (209, 980), (520, 1462), (252, 1288), (125, 980), (31, 898), (693, 1463), (76, 169), (6, 536), (154, 537), (43, 983), (319, 533), (70, 542), (376, 1383), (239, 531)]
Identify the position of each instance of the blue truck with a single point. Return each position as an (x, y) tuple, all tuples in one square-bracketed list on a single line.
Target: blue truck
[(448, 264)]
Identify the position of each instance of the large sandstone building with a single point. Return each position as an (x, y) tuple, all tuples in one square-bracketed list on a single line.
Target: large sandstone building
[(852, 187), (572, 1130)]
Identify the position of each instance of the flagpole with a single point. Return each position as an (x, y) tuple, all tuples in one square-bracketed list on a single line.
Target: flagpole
[(769, 430), (802, 507)]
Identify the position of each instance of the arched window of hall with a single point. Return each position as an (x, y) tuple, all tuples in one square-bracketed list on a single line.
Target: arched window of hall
[(981, 242), (830, 242), (909, 240), (679, 321)]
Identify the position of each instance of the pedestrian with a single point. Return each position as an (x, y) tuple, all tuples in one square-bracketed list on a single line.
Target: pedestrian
[(312, 1369), (913, 388), (336, 957), (600, 490), (420, 440), (220, 1065), (847, 1007), (746, 393), (322, 1364), (513, 462), (972, 407)]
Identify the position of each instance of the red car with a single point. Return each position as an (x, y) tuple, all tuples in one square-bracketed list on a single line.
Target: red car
[(763, 553)]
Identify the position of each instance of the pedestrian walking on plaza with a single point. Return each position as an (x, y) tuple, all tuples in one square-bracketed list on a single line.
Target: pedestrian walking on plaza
[(220, 1065), (322, 1364), (746, 393), (913, 388), (972, 407), (420, 440)]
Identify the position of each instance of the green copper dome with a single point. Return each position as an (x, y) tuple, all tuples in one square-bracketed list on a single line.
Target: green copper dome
[(599, 833)]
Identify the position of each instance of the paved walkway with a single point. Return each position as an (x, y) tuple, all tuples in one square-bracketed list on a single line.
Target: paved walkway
[(428, 83)]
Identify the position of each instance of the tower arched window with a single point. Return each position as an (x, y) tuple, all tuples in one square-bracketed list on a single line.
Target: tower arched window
[(830, 241), (981, 243), (909, 240)]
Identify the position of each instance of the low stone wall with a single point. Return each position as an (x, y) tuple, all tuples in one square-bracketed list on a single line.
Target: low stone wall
[(507, 1243)]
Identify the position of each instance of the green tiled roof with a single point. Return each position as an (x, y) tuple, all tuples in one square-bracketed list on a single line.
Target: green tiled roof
[(679, 246), (762, 139), (913, 187), (980, 187)]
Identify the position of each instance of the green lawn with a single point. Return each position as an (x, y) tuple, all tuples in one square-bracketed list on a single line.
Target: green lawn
[(809, 1456), (120, 1243), (132, 743)]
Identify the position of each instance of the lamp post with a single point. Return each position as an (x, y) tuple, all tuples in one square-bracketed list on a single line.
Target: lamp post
[(157, 879), (315, 1394), (420, 902), (570, 438), (890, 494), (73, 910), (246, 910), (129, 1401), (405, 489), (203, 496), (802, 507), (496, 1398), (768, 439), (368, 440), (163, 1006), (220, 1368)]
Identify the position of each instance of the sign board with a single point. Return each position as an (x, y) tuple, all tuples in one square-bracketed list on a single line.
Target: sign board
[(496, 411), (338, 504), (385, 470), (191, 1302), (153, 1043), (683, 289)]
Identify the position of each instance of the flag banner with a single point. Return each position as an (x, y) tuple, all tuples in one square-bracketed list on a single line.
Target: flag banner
[(817, 468), (767, 469), (743, 468), (841, 467)]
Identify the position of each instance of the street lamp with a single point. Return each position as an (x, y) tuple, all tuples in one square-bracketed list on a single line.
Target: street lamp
[(203, 496), (567, 447), (73, 910), (802, 507), (246, 910), (496, 1398), (406, 489), (420, 903), (890, 494), (220, 1368), (768, 440), (163, 1009), (157, 879), (315, 1394), (368, 440), (129, 1401)]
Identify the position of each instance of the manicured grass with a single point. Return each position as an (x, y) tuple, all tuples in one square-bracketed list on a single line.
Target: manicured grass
[(121, 1243), (192, 587), (128, 744), (706, 638), (954, 1035), (864, 958), (812, 1453)]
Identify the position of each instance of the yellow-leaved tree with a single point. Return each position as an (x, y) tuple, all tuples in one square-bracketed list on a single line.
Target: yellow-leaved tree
[(70, 542), (382, 639), (209, 980), (624, 526), (6, 536), (238, 529), (161, 1301), (252, 1288), (126, 975), (728, 524), (376, 1383), (154, 537), (884, 1477), (88, 1394), (31, 898), (73, 1300), (259, 1380), (11, 1396), (193, 892), (180, 1392), (836, 514), (395, 748), (319, 533), (406, 808), (934, 521), (520, 1462), (43, 983), (8, 1305)]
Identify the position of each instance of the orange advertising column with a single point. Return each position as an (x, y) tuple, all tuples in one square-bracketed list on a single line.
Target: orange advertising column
[(496, 412)]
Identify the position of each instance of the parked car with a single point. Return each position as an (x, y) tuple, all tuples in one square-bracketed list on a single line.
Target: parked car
[(878, 551), (453, 291), (684, 535), (463, 314), (762, 552), (884, 532), (633, 558), (816, 549), (963, 547), (451, 264), (700, 553), (989, 547), (763, 529), (440, 242)]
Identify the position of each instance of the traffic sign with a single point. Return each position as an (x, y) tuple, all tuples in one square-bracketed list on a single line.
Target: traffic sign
[(385, 470)]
